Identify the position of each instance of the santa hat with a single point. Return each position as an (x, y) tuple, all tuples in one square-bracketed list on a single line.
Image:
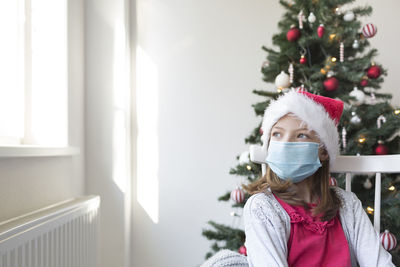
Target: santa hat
[(322, 114)]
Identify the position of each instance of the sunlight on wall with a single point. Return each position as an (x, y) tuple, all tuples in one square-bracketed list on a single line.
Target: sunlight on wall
[(147, 140), (120, 109)]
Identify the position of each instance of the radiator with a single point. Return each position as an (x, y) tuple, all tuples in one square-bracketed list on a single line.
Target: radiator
[(61, 235)]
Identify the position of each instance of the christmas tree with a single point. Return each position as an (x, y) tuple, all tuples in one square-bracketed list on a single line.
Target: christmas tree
[(324, 49)]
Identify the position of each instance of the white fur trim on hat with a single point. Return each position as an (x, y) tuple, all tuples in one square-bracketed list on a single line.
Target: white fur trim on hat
[(311, 112)]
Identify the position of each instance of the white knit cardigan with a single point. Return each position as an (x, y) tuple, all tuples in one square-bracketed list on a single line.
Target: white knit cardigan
[(267, 228)]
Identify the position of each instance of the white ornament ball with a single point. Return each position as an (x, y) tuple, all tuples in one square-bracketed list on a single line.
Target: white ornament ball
[(311, 18), (282, 80), (348, 16), (356, 44), (244, 157), (367, 184), (237, 195), (359, 95), (355, 119), (388, 240)]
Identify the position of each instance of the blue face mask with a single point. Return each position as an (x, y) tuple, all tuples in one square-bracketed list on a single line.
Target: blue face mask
[(293, 160)]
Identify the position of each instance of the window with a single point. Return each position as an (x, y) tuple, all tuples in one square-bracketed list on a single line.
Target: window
[(33, 73)]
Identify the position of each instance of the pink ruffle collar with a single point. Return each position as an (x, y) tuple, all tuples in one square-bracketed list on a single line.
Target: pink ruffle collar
[(298, 214)]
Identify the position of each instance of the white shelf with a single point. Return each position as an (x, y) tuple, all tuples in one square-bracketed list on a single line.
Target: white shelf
[(36, 151)]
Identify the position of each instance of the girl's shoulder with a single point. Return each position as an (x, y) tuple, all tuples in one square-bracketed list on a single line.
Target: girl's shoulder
[(264, 207), (347, 197)]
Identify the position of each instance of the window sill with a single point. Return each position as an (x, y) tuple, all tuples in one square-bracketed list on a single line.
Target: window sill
[(13, 151)]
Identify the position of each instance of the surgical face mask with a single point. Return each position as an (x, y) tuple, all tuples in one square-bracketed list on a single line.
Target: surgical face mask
[(293, 160)]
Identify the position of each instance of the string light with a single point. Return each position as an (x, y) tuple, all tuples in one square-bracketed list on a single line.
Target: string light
[(392, 188), (248, 167), (370, 210), (361, 140), (333, 59), (397, 111)]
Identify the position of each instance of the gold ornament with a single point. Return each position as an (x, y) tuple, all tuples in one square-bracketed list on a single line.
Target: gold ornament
[(370, 210)]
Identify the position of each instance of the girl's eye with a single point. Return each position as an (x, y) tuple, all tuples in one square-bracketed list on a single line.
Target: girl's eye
[(274, 134), (305, 136)]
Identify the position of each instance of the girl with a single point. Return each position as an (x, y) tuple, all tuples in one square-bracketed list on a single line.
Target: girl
[(294, 217)]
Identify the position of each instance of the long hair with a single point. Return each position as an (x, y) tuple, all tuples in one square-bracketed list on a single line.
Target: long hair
[(328, 205)]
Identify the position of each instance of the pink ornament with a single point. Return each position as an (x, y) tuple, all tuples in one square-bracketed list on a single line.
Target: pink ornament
[(333, 181), (261, 131), (369, 30), (242, 250), (364, 82), (237, 195), (388, 240), (321, 30)]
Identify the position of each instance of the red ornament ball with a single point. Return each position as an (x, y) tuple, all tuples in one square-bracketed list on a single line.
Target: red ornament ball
[(331, 84), (242, 250), (374, 72), (333, 181), (303, 60), (237, 195), (369, 30), (381, 149), (364, 82), (293, 34)]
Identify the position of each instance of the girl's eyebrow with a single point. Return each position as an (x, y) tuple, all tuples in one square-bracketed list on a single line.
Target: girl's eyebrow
[(277, 127)]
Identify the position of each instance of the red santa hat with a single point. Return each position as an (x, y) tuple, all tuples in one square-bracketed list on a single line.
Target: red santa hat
[(321, 114)]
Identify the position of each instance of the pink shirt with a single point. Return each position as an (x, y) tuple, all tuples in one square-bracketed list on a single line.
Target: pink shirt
[(315, 243)]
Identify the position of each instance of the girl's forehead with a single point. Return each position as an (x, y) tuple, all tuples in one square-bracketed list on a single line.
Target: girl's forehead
[(290, 120)]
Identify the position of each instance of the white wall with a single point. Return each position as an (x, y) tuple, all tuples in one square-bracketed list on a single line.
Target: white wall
[(208, 57), (27, 184), (106, 124)]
